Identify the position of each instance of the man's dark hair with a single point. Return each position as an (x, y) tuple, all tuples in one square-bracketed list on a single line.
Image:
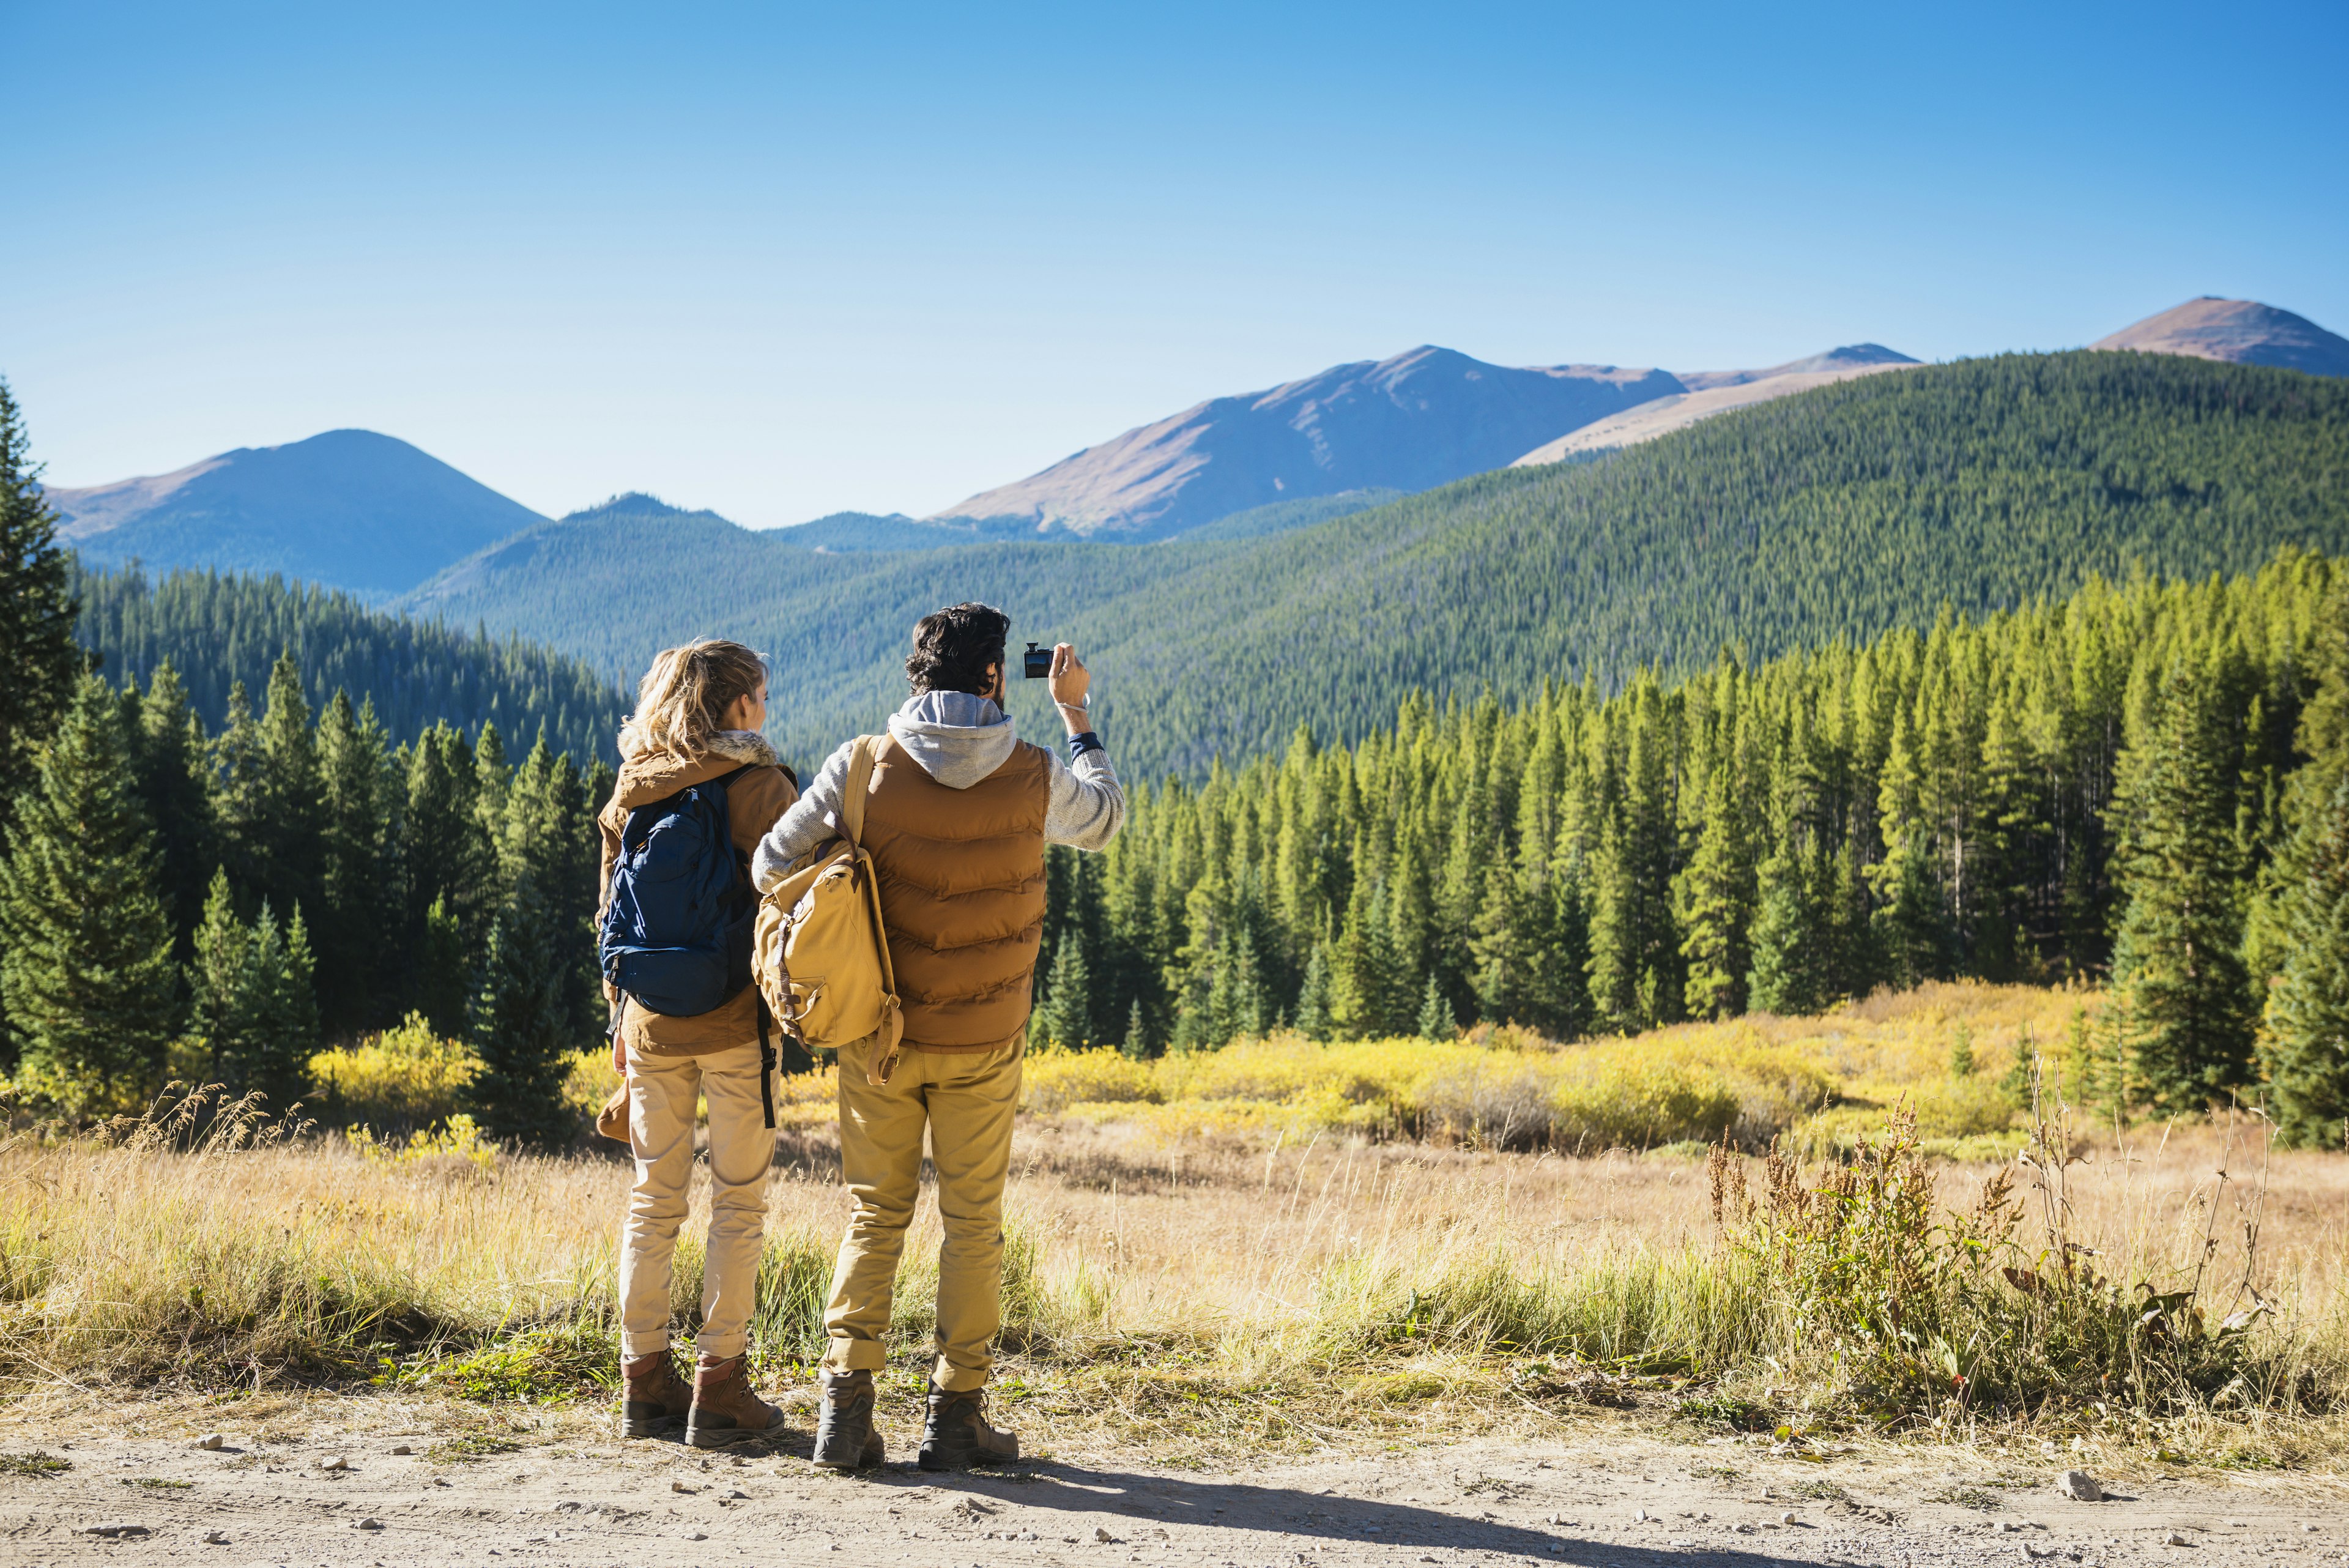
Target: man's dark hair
[(953, 647)]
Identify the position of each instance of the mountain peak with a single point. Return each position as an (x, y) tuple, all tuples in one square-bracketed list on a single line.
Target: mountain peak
[(348, 508), (1421, 417), (2241, 330), (1850, 356)]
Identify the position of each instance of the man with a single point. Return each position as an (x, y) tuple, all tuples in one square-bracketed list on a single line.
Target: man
[(957, 818)]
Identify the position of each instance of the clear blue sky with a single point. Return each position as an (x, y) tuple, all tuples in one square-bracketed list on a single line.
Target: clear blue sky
[(781, 261)]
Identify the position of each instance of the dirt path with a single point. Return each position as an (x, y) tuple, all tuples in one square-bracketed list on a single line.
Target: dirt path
[(1602, 1500)]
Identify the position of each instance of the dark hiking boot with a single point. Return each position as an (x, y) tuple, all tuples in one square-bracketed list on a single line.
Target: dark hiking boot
[(845, 1435), (955, 1434), (725, 1410), (653, 1398)]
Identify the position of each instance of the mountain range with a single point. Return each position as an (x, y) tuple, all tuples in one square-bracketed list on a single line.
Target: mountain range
[(376, 516)]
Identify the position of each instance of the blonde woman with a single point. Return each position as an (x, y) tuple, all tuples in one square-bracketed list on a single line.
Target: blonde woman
[(699, 786)]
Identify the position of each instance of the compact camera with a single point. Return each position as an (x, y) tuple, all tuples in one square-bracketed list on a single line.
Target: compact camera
[(1036, 663)]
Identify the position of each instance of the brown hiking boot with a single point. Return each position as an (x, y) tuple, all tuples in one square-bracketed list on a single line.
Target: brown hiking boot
[(955, 1434), (725, 1410), (653, 1398), (844, 1436)]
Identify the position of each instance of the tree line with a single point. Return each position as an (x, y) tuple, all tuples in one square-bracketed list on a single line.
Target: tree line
[(2139, 781)]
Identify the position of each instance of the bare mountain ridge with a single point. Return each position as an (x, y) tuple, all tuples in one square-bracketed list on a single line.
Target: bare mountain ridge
[(1407, 423), (2241, 330)]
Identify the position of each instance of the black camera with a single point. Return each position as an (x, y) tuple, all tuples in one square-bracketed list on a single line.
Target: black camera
[(1036, 663)]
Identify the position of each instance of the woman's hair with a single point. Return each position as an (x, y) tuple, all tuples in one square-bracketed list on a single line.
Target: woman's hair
[(681, 701), (953, 647)]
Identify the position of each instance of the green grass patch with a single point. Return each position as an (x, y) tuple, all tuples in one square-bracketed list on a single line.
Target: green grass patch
[(36, 1463)]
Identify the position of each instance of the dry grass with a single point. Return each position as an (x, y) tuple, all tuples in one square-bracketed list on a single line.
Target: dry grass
[(1283, 1283)]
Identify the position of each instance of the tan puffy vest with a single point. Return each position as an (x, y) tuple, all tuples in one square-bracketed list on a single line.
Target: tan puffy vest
[(962, 895)]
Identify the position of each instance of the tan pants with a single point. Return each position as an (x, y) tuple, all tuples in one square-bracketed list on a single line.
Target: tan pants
[(965, 1100), (661, 1095)]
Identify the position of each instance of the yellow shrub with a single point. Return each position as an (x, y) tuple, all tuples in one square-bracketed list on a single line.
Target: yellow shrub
[(1053, 1080), (459, 1139), (590, 1079), (403, 1075), (807, 1099)]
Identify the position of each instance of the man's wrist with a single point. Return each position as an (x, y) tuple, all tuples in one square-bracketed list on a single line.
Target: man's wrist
[(1075, 716)]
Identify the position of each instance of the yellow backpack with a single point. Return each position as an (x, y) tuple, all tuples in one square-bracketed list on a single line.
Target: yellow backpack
[(821, 953)]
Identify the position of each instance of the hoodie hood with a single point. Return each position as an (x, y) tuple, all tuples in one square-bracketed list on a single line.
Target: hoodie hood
[(958, 738)]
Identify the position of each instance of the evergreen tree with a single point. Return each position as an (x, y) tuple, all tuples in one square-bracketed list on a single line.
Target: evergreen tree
[(360, 881), (1717, 906), (1064, 1018), (1136, 1044), (2305, 1044), (1435, 1020), (85, 941), (1786, 977), (1314, 1019), (517, 1029), (37, 656), (175, 780), (255, 1008), (2176, 961)]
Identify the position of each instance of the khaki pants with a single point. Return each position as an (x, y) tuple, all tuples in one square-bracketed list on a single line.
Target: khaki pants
[(965, 1100), (661, 1095)]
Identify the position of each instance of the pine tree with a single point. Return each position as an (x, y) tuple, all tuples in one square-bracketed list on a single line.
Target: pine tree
[(291, 832), (2305, 1043), (85, 941), (38, 656), (1435, 1020), (1716, 908), (254, 1005), (517, 1029), (175, 780), (1063, 1020), (1136, 1044), (1787, 976), (361, 880), (1313, 997), (2176, 961)]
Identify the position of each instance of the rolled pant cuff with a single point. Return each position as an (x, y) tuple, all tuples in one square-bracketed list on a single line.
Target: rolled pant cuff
[(855, 1355), (634, 1344), (722, 1346), (953, 1380)]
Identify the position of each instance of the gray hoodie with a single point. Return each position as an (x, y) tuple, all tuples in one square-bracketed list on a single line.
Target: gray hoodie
[(958, 738)]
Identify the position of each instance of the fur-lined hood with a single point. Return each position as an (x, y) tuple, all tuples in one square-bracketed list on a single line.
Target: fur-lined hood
[(647, 775)]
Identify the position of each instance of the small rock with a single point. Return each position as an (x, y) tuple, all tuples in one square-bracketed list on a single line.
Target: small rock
[(439, 1481), (2080, 1487), (2310, 1528), (215, 1538), (1638, 1515), (568, 1505), (115, 1532), (402, 1450), (2175, 1538), (335, 1462), (368, 1524), (680, 1485), (1787, 1517), (215, 1442), (698, 1535), (735, 1493), (1102, 1533)]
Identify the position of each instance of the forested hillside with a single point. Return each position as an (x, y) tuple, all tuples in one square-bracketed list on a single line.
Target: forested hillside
[(1841, 511), (216, 630), (2143, 782)]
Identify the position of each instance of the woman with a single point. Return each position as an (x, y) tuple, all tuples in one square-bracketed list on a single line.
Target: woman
[(699, 713)]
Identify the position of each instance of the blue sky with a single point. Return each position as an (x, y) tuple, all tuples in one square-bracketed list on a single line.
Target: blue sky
[(781, 261)]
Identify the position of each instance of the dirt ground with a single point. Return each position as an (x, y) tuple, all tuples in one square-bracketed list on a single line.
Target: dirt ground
[(565, 1493)]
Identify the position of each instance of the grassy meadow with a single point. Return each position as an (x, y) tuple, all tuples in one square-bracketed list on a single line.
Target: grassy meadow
[(1291, 1243)]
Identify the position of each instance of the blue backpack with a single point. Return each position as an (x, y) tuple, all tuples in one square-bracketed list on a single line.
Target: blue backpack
[(676, 934)]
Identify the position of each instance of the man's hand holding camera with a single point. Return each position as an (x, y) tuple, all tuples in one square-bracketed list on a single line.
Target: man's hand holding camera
[(1071, 688)]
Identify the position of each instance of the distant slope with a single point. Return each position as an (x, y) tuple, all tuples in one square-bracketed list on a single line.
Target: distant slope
[(2243, 331), (1421, 419), (351, 509), (1285, 517), (1851, 356), (217, 630), (1836, 511), (1666, 415)]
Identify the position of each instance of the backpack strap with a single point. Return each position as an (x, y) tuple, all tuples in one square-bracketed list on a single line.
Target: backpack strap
[(859, 785)]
